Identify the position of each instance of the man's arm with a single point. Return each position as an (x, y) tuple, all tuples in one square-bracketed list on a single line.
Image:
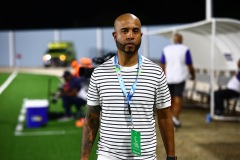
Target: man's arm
[(166, 128), (191, 71), (90, 130), (73, 92), (163, 62), (189, 63), (162, 65)]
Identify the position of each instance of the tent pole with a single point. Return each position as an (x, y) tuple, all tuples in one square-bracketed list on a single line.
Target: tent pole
[(145, 42), (208, 10), (213, 35)]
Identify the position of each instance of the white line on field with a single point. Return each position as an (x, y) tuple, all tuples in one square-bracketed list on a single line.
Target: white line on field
[(21, 119), (20, 127), (8, 81), (45, 133)]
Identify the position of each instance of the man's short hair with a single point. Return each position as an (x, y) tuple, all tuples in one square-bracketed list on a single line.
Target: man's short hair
[(66, 73)]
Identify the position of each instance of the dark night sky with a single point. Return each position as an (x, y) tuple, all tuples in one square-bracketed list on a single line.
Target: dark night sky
[(87, 13)]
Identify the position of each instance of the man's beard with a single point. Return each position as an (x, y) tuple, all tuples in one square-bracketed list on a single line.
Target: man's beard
[(130, 50)]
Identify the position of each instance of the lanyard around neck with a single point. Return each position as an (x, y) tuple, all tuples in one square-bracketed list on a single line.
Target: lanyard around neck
[(120, 80)]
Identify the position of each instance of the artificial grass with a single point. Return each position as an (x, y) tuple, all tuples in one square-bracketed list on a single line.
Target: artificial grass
[(3, 77), (36, 147)]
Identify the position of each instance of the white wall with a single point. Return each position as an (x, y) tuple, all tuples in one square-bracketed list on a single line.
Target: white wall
[(32, 44)]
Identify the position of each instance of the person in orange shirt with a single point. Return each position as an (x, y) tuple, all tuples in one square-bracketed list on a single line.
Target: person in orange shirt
[(84, 63), (75, 66)]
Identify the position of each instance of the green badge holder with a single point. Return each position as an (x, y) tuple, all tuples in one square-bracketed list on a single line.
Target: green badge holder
[(136, 142)]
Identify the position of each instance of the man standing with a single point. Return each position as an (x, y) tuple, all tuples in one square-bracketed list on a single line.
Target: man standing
[(177, 63), (123, 94)]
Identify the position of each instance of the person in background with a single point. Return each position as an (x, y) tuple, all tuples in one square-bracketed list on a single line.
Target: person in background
[(125, 92), (176, 61), (75, 67), (83, 63), (77, 72), (69, 96), (232, 91)]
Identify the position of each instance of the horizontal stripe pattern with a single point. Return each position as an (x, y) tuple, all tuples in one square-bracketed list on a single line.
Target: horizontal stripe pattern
[(115, 130)]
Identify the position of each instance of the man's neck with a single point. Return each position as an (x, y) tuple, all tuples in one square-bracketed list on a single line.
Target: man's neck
[(127, 60)]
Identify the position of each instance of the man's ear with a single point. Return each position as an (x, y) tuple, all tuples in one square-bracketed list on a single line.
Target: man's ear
[(114, 35)]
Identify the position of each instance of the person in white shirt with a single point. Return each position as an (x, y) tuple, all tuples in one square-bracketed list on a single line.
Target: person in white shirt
[(232, 90), (176, 61)]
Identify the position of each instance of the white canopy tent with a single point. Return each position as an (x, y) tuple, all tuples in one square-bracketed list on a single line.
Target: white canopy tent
[(215, 46)]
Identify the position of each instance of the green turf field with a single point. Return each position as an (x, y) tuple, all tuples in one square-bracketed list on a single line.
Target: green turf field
[(55, 141)]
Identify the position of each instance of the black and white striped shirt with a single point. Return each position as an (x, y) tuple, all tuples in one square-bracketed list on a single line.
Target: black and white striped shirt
[(151, 91)]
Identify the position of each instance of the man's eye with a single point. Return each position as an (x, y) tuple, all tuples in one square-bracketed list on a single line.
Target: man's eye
[(136, 31)]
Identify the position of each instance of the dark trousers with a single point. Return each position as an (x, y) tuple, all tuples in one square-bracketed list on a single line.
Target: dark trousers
[(221, 95), (77, 102)]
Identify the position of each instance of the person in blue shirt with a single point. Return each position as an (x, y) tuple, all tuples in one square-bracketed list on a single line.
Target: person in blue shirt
[(69, 96)]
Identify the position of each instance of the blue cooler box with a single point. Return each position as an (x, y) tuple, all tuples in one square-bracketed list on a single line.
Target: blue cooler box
[(36, 112)]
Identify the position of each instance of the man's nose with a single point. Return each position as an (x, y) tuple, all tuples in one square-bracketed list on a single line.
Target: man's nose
[(130, 34)]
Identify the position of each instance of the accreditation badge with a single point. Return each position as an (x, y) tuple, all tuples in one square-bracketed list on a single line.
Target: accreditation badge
[(136, 142)]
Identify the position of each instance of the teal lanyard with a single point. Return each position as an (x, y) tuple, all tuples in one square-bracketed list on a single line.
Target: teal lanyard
[(120, 80)]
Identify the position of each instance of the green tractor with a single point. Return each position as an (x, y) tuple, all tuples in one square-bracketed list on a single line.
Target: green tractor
[(60, 53)]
